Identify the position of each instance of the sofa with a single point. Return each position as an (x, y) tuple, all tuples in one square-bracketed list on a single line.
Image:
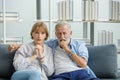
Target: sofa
[(102, 60)]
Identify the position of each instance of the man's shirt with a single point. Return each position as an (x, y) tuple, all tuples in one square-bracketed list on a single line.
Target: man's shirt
[(78, 47)]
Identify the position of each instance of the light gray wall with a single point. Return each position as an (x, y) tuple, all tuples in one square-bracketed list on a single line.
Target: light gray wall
[(27, 12), (104, 14), (114, 27), (77, 27)]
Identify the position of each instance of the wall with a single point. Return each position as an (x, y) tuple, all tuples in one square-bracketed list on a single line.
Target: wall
[(114, 27), (105, 13), (27, 12), (77, 27)]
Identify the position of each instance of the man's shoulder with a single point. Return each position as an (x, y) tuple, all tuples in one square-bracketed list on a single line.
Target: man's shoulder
[(77, 41), (52, 43), (47, 47), (52, 40)]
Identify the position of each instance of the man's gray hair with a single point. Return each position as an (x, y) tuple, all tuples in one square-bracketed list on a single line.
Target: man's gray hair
[(63, 23)]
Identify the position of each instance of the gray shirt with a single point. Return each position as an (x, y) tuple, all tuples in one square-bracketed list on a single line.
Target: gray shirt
[(22, 62), (63, 63)]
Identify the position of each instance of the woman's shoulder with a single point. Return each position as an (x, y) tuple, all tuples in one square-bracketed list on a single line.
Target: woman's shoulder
[(27, 45)]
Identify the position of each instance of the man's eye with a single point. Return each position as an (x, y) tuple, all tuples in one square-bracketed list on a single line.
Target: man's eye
[(64, 33)]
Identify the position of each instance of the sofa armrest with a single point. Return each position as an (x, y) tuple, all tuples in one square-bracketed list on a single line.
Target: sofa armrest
[(6, 62), (103, 60)]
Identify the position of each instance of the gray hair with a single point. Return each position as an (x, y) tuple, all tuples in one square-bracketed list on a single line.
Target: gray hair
[(63, 23)]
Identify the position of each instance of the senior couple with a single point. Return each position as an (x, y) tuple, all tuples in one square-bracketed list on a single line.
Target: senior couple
[(57, 59)]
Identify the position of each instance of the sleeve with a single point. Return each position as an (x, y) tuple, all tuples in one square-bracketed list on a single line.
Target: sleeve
[(52, 43), (82, 51), (49, 43), (20, 60), (48, 65)]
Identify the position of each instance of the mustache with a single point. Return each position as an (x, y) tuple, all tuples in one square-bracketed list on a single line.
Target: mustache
[(62, 40)]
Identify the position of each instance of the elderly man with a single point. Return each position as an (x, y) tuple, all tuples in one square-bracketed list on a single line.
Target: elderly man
[(70, 56)]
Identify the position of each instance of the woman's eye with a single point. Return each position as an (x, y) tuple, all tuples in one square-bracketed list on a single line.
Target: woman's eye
[(36, 32), (43, 32)]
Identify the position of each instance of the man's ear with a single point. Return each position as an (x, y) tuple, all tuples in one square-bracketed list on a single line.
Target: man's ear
[(55, 34)]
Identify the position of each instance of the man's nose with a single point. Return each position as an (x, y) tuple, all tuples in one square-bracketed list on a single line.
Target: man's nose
[(62, 35)]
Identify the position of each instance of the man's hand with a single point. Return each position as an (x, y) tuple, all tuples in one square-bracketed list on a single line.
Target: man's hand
[(13, 47), (65, 45), (77, 59)]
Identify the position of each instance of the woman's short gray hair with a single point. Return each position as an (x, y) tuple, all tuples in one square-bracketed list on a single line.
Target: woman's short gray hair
[(63, 23)]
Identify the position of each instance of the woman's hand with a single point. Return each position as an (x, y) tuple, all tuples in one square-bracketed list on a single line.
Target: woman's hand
[(39, 52)]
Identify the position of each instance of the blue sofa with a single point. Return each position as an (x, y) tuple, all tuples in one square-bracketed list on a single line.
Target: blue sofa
[(102, 60)]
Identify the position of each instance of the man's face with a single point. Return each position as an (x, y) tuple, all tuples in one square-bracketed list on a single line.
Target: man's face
[(63, 32)]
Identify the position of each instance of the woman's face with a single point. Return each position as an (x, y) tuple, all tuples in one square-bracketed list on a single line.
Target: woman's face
[(39, 35)]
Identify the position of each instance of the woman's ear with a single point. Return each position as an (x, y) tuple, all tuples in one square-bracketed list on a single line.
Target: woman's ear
[(70, 32), (32, 34)]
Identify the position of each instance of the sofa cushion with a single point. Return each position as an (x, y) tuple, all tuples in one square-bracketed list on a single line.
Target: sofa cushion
[(6, 59), (103, 60)]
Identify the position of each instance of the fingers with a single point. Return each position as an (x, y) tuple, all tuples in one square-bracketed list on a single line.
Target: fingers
[(39, 51), (63, 42), (13, 47), (36, 52), (39, 47)]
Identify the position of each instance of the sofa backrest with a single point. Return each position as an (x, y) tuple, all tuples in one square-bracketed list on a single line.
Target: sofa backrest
[(6, 60), (103, 60)]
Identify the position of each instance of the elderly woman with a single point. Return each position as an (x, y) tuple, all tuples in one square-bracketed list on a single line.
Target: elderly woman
[(34, 60)]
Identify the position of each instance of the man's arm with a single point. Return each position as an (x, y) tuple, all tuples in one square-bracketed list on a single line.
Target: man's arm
[(80, 61)]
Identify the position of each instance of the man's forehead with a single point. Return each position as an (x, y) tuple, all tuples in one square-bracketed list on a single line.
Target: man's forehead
[(63, 27)]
